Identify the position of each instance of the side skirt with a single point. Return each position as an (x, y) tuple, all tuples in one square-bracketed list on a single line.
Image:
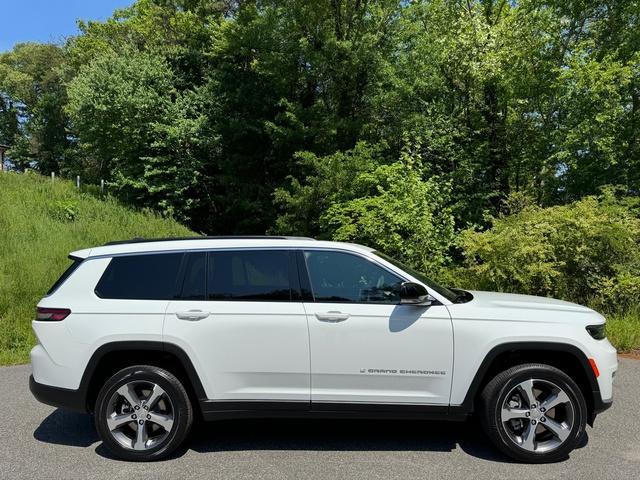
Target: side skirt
[(221, 410)]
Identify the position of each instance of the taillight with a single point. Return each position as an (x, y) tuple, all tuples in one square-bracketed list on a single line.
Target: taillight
[(51, 314)]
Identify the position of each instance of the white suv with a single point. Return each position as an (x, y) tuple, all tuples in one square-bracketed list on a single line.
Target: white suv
[(149, 334)]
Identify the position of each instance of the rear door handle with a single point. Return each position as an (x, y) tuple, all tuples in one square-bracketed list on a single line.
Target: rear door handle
[(192, 315), (332, 317)]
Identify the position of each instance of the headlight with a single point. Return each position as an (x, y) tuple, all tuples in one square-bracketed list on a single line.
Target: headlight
[(597, 331)]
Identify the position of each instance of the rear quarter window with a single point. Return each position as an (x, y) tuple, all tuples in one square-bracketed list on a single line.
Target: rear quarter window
[(141, 277), (66, 274)]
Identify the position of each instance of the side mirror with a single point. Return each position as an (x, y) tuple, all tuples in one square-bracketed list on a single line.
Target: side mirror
[(414, 294)]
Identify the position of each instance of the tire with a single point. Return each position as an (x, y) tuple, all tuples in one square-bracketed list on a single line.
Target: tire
[(542, 428), (143, 413)]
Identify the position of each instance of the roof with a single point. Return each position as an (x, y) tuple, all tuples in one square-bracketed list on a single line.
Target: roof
[(207, 243), (232, 237)]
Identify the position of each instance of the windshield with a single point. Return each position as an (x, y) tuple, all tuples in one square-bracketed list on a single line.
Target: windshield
[(445, 292)]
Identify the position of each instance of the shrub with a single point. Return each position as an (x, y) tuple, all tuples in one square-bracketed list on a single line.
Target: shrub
[(64, 210), (587, 251)]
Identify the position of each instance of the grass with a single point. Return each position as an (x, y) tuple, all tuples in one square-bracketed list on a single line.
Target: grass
[(40, 223), (623, 330)]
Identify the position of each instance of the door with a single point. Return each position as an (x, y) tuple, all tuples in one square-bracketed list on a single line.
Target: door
[(241, 320), (365, 346)]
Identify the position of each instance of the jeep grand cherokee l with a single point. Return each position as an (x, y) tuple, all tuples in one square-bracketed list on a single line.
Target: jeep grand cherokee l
[(148, 335)]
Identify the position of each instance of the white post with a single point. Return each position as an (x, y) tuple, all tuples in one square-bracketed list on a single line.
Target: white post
[(78, 181), (102, 186), (53, 177)]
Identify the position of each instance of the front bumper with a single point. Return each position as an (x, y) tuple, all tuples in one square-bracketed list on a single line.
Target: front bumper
[(57, 397)]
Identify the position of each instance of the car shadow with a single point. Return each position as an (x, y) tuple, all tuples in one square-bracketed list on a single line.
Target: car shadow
[(77, 430), (63, 427), (344, 435)]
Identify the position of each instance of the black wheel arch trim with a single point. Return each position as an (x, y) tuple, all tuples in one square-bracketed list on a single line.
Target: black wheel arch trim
[(467, 405)]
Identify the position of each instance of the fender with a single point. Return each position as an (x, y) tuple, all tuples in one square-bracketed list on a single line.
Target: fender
[(138, 346), (468, 403)]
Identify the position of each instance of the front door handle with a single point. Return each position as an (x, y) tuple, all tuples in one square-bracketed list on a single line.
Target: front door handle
[(332, 316), (192, 315)]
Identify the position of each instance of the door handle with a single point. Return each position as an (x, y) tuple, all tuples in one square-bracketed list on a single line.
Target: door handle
[(192, 315), (332, 317)]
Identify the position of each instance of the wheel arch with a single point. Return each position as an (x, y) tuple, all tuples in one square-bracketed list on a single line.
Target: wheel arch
[(563, 356), (112, 357)]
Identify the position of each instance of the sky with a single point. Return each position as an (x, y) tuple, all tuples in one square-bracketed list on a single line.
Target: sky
[(49, 20)]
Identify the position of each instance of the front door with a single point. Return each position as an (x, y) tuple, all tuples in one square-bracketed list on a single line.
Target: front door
[(366, 348), (239, 319)]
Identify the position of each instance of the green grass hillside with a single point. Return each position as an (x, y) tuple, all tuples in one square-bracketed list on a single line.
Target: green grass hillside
[(40, 223)]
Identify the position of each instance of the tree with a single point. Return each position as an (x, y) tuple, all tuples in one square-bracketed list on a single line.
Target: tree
[(137, 131), (32, 111)]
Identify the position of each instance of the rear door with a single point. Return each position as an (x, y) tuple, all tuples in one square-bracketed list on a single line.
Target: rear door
[(366, 348), (240, 317)]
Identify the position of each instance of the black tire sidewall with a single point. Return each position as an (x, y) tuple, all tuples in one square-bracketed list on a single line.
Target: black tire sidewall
[(517, 375), (180, 401)]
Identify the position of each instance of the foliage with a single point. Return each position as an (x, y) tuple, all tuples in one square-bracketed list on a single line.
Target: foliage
[(372, 121), (623, 329), (64, 210), (587, 251), (202, 109), (32, 99), (356, 197), (137, 130), (35, 245)]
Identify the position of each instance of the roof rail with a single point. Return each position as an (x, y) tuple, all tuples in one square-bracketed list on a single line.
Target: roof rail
[(220, 237)]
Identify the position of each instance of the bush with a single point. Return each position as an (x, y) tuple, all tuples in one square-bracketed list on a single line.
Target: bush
[(587, 251), (64, 210)]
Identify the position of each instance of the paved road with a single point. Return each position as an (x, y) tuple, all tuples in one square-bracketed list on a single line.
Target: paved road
[(37, 441)]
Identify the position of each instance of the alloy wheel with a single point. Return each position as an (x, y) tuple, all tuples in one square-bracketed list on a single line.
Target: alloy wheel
[(537, 415), (140, 415)]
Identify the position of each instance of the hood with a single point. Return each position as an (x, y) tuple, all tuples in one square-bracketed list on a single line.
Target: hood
[(525, 302)]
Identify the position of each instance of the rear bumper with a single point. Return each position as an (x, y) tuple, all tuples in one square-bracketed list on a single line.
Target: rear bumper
[(57, 397)]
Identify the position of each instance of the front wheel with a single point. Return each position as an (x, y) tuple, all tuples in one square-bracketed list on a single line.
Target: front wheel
[(143, 413), (534, 413)]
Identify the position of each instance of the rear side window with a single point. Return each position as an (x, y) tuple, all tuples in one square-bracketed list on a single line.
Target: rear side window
[(141, 277), (66, 274), (249, 276), (193, 284)]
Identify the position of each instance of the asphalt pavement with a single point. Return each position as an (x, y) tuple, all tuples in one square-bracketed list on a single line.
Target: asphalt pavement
[(41, 442)]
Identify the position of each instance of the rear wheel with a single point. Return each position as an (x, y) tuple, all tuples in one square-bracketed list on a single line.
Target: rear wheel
[(534, 413), (143, 413)]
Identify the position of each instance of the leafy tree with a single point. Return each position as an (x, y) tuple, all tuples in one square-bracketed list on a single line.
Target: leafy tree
[(136, 130), (32, 105), (357, 197)]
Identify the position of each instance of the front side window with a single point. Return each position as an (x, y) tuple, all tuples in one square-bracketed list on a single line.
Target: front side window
[(141, 277), (249, 276), (348, 278)]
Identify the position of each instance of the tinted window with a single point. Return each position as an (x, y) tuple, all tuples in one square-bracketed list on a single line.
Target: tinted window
[(249, 275), (343, 277), (66, 274), (193, 285), (143, 277)]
